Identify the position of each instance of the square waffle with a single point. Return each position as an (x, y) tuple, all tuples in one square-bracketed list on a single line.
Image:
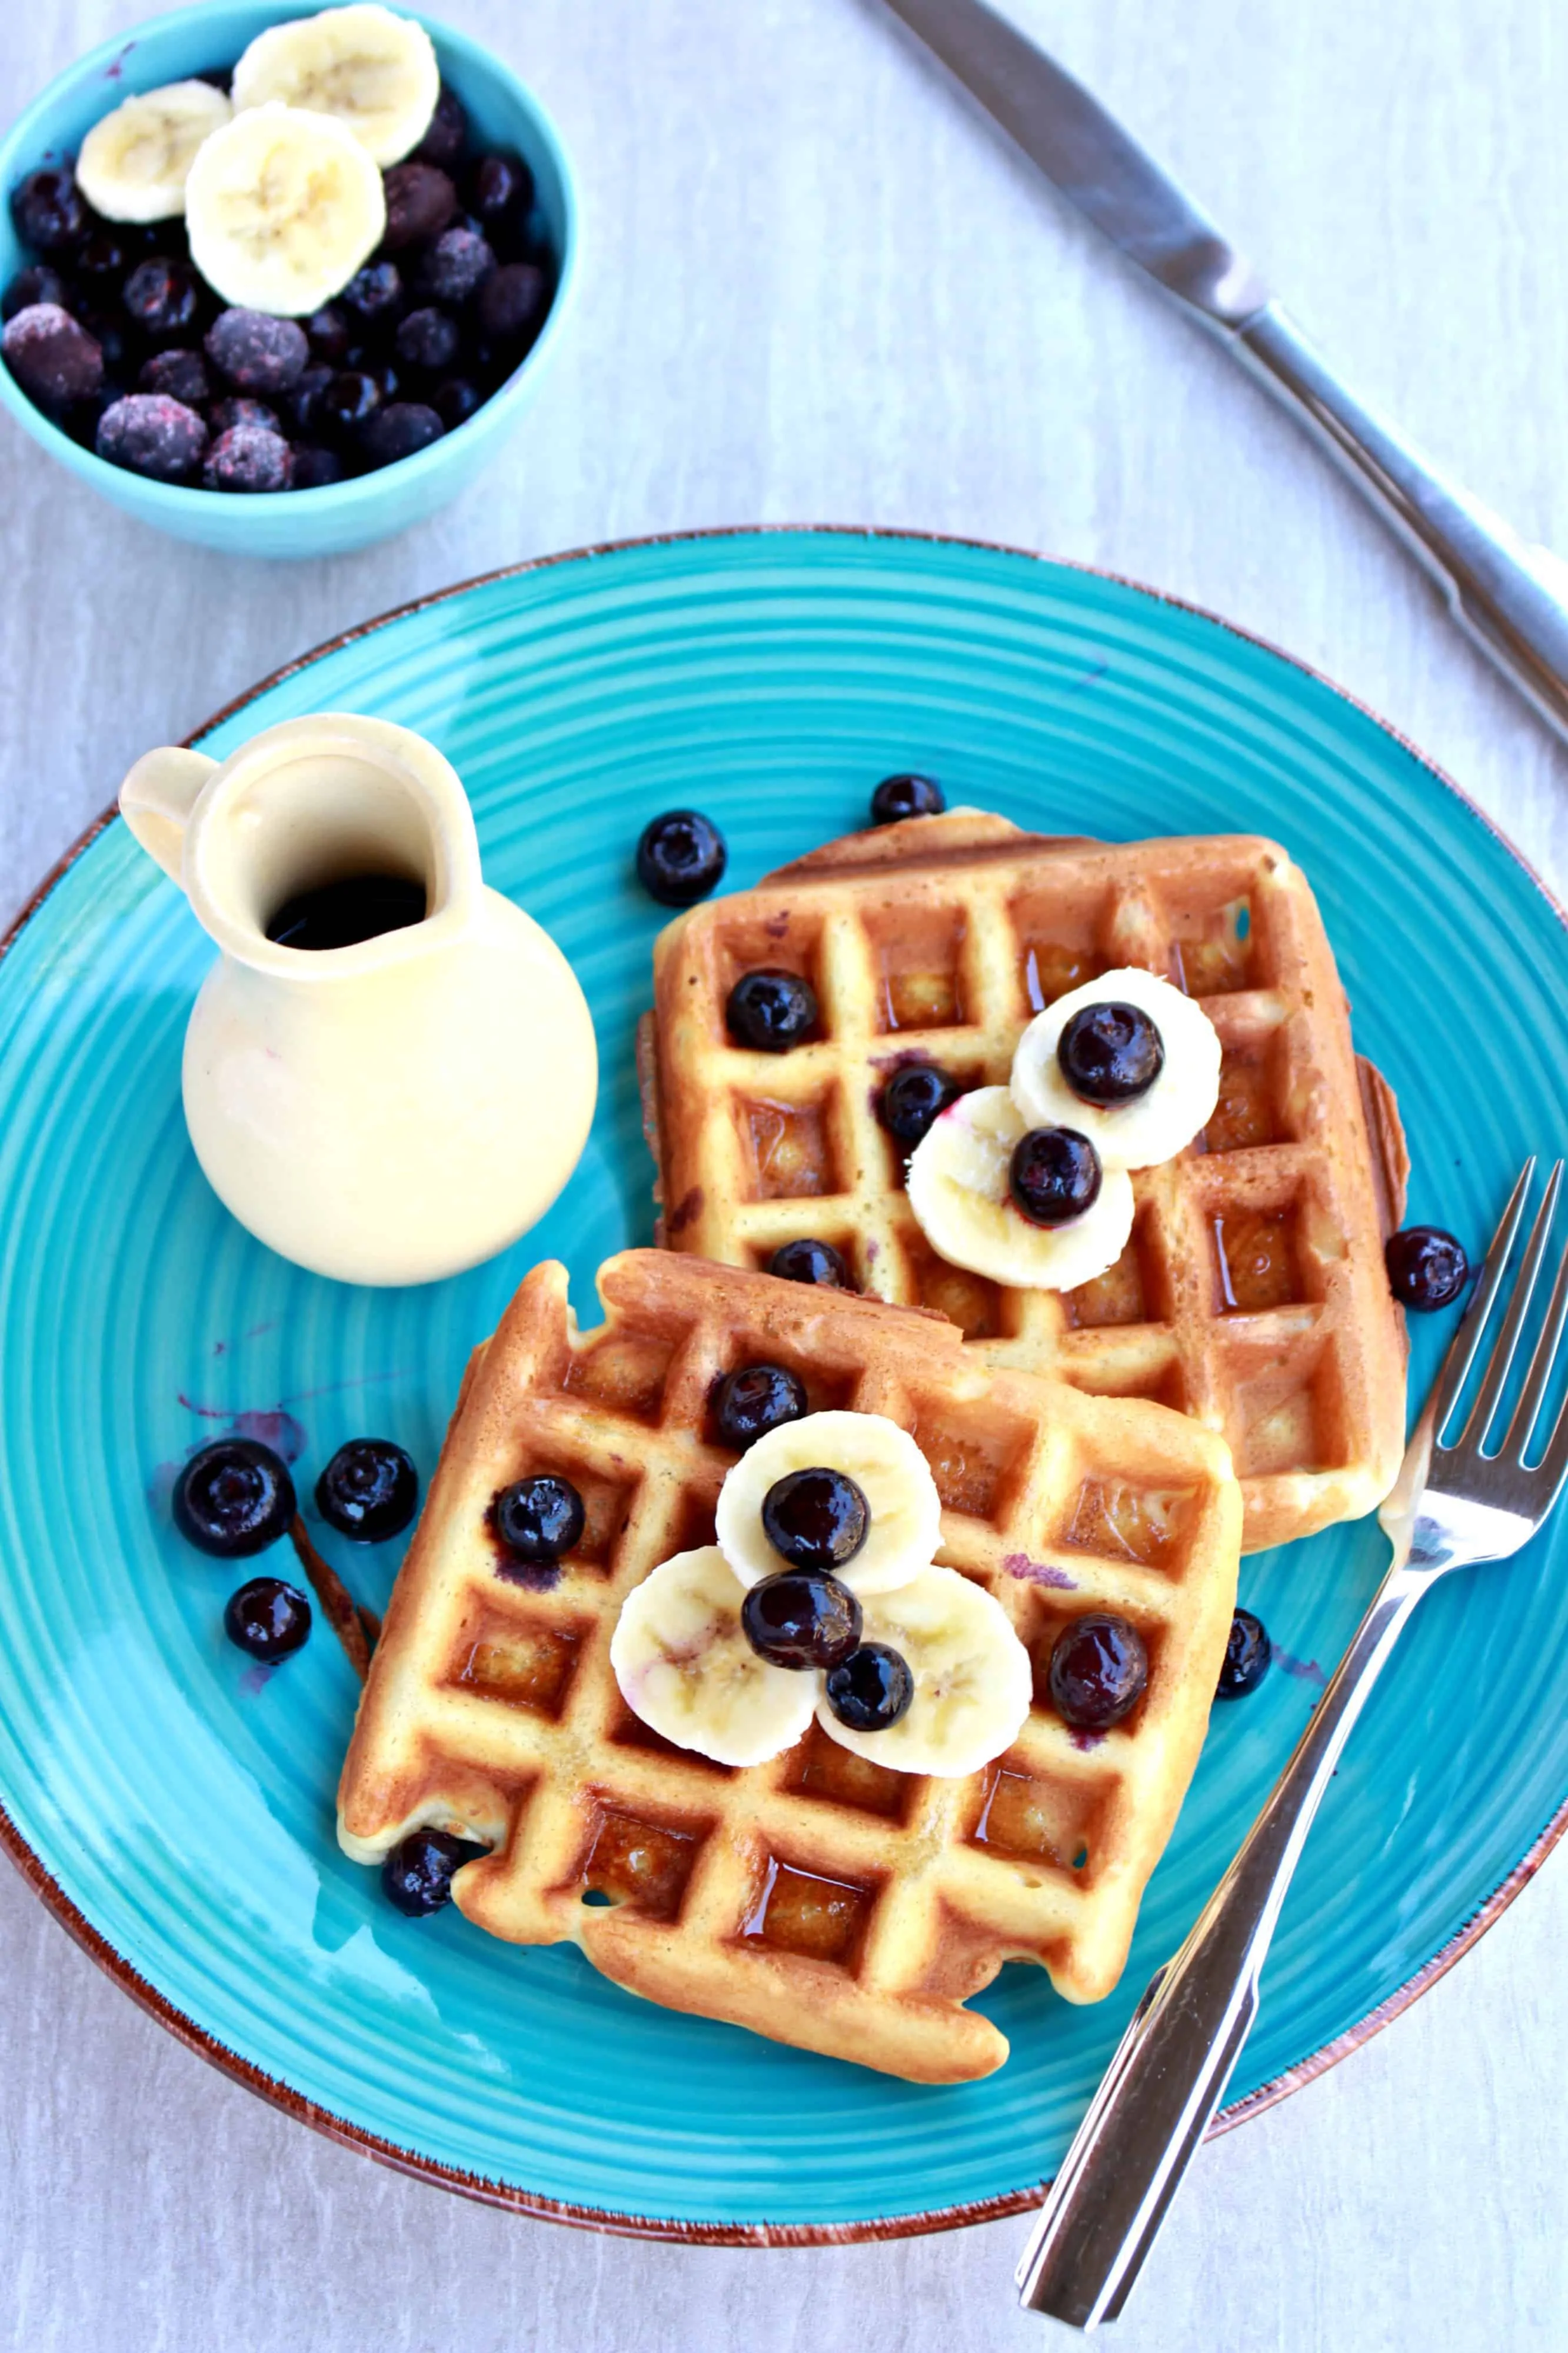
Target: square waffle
[(1252, 1294), (819, 1899)]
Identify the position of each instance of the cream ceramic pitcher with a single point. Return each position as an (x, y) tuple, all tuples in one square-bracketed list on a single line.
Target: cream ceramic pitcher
[(393, 1110)]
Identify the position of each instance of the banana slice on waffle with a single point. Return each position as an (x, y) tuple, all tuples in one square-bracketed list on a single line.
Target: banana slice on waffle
[(958, 1191), (1155, 1125), (904, 1509), (971, 1676), (684, 1665)]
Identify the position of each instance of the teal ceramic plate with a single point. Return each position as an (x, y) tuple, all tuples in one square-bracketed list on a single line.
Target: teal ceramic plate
[(175, 1804)]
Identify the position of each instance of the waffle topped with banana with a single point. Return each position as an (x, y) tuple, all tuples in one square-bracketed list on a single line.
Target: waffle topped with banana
[(1096, 1104), (796, 1662)]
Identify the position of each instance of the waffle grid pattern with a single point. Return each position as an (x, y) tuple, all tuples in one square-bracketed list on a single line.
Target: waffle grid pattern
[(819, 1899), (1251, 1296)]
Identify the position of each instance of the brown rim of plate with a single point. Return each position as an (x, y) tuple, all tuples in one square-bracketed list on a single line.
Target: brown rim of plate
[(747, 2234)]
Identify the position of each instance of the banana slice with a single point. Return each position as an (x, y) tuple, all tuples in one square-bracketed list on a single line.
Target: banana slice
[(373, 71), (972, 1677), (885, 1463), (1154, 1126), (133, 164), (958, 1193), (685, 1666), (283, 206)]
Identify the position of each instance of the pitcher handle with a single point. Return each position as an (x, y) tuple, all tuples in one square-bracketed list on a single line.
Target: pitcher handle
[(157, 798)]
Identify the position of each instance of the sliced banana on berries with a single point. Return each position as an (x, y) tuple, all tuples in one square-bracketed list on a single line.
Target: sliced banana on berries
[(282, 207), (973, 1679), (134, 164), (684, 1667), (1139, 1082), (371, 70), (961, 1193), (903, 1510)]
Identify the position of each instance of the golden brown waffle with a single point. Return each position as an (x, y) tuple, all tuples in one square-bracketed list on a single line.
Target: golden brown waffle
[(1252, 1294), (818, 1899)]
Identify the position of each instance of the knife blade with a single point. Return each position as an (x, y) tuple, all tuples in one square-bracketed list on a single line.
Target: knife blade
[(1509, 598)]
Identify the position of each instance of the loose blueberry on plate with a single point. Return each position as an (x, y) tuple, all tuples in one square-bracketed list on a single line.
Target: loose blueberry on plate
[(182, 374), (1247, 1656), (453, 265), (37, 283), (51, 355), (1098, 1672), (801, 1619), (771, 1011), (400, 429), (256, 352), (369, 1490), (816, 1518), (50, 212), (897, 798), (681, 857), (914, 1097), (1427, 1268), (1054, 1175), (234, 1498), (417, 1874), (269, 1618), (753, 1399), (540, 1519), (447, 136), (1110, 1053), (150, 434), (870, 1689), (810, 1261), (162, 298), (420, 200), (248, 458)]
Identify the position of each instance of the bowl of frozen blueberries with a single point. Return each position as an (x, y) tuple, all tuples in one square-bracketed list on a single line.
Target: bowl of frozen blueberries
[(281, 279)]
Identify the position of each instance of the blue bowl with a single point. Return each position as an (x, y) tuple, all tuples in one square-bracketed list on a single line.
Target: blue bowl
[(345, 514)]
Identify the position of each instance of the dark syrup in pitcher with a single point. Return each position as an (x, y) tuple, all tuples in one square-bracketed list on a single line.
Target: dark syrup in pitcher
[(341, 915)]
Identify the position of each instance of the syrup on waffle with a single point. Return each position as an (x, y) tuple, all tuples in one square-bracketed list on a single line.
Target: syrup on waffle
[(820, 1899), (1252, 1295)]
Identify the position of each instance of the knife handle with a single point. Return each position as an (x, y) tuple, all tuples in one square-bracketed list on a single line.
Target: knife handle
[(1510, 599)]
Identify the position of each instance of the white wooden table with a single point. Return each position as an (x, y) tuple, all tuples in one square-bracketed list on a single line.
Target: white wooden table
[(819, 288)]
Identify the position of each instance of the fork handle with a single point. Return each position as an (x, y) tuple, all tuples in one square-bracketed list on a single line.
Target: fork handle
[(1104, 2210)]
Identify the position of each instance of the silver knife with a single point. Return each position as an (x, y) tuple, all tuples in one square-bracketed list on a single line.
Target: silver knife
[(1509, 598)]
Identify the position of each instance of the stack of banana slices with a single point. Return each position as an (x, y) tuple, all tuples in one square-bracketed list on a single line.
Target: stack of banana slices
[(687, 1665), (280, 182)]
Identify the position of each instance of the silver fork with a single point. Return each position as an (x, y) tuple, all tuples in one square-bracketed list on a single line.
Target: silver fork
[(1453, 1503)]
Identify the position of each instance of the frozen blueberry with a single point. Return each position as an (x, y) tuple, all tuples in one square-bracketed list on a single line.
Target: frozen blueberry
[(801, 1619), (497, 191), (183, 374), (328, 334), (809, 1262), (453, 265), (164, 298), (753, 1399), (1098, 1672), (455, 401), (900, 797), (539, 1518), (870, 1689), (1054, 1175), (399, 429), (816, 1518), (417, 1874), (302, 401), (771, 1011), (269, 1618), (510, 304), (111, 332), (420, 200), (1247, 1656), (233, 1498), (447, 136), (369, 1490), (151, 433), (316, 469), (1110, 1053), (680, 858), (52, 358), (101, 260), (249, 457), (914, 1098), (372, 298), (347, 402), (238, 408), (49, 210), (426, 341), (37, 283), (255, 352), (1427, 1268)]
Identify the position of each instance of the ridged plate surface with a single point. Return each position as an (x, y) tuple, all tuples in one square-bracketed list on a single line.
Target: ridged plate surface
[(181, 1802)]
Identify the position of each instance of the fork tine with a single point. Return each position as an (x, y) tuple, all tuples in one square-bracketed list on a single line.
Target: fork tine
[(1540, 1374), (1552, 1467), (1467, 1340), (1478, 1420)]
